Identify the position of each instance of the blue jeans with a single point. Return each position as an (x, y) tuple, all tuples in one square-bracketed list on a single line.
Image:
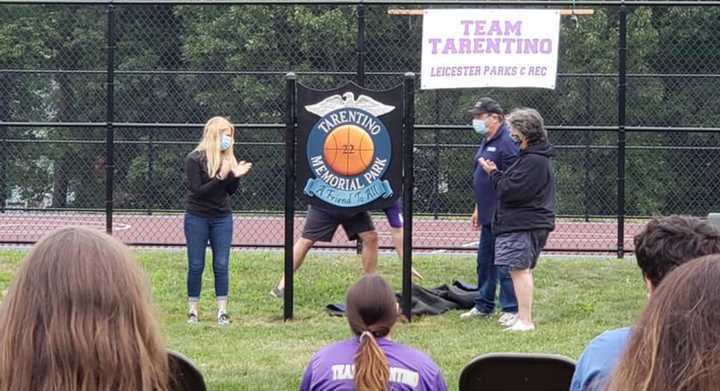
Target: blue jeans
[(219, 232), (488, 275)]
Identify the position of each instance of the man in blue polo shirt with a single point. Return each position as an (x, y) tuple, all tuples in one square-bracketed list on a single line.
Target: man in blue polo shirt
[(498, 146)]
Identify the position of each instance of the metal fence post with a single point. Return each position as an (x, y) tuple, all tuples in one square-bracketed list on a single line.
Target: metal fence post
[(408, 184), (588, 150), (360, 48), (436, 155), (436, 176), (360, 45), (291, 96), (109, 116), (4, 166), (150, 173), (622, 73)]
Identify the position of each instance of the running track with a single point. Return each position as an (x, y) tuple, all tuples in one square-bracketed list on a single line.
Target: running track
[(267, 231)]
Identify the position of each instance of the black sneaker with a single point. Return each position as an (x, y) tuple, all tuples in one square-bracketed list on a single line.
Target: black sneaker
[(192, 318)]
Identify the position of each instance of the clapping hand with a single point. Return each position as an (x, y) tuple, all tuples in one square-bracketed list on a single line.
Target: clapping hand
[(242, 168), (487, 165)]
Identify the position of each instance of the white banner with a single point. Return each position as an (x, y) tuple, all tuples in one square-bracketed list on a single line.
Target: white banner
[(466, 48)]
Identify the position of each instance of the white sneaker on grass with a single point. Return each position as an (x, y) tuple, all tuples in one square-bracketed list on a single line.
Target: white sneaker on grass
[(474, 313), (521, 326), (507, 318), (192, 318), (277, 293), (223, 319)]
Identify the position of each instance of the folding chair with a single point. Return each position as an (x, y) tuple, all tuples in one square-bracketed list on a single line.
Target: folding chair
[(517, 372), (184, 376)]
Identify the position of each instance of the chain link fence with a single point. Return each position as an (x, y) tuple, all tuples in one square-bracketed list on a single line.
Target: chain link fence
[(171, 66)]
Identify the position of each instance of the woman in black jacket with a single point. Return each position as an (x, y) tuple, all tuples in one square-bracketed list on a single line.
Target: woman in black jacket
[(525, 213), (211, 176)]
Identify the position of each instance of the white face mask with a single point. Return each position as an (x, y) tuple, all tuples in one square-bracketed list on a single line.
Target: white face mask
[(225, 142)]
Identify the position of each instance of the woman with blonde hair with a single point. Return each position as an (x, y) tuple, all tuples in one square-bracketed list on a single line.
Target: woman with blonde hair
[(78, 317), (211, 176), (370, 361), (675, 346)]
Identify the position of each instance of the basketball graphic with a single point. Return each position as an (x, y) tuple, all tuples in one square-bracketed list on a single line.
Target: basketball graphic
[(348, 150)]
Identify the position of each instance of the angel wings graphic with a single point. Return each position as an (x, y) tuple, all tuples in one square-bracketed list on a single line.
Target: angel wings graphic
[(348, 100)]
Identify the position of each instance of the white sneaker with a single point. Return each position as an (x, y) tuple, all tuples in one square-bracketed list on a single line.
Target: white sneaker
[(508, 319), (521, 326), (223, 319), (474, 313), (192, 318), (278, 293)]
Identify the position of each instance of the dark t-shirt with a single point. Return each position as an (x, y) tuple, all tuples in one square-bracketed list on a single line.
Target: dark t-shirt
[(206, 196), (502, 151)]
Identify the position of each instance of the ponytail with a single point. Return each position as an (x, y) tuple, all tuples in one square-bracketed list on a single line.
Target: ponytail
[(372, 310), (372, 372)]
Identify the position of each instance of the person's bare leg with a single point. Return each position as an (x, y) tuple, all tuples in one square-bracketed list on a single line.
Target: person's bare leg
[(397, 237), (300, 250), (523, 284), (369, 251)]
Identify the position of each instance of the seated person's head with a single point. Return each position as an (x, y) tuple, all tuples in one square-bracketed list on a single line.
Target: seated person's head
[(676, 343), (667, 242), (78, 317), (372, 310)]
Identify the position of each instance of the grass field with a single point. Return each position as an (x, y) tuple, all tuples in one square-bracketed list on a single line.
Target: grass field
[(575, 299)]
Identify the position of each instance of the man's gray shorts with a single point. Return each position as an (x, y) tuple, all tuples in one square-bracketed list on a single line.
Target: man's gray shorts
[(520, 250)]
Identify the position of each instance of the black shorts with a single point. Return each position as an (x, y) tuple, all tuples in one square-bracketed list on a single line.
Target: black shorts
[(321, 224)]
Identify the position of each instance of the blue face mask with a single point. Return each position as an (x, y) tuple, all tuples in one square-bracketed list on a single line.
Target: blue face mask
[(225, 142), (479, 126)]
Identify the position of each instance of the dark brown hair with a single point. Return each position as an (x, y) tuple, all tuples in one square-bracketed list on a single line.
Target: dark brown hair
[(667, 242), (675, 345), (371, 312), (78, 317)]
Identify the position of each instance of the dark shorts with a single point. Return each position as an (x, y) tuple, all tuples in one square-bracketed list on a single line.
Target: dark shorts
[(394, 215), (520, 250), (321, 224)]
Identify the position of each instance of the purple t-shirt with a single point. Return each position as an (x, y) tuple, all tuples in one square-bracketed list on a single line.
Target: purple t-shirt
[(332, 368)]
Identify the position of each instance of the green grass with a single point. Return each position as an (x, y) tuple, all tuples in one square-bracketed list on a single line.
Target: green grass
[(575, 299)]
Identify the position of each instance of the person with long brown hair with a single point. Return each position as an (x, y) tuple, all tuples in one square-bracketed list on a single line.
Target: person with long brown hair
[(675, 346), (371, 361), (78, 317)]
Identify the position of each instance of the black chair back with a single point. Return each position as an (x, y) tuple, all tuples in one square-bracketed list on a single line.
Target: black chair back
[(184, 375), (517, 372)]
